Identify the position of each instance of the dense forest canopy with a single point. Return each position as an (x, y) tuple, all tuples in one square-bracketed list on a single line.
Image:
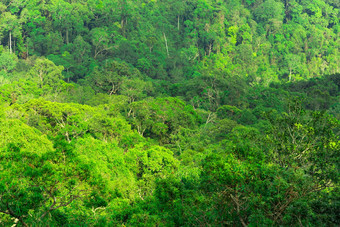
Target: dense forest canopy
[(169, 112)]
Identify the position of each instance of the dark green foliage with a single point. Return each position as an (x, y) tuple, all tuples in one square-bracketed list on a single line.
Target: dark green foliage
[(169, 113)]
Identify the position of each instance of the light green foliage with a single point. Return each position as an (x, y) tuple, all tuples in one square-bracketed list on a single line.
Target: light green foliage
[(110, 78), (107, 163), (8, 61), (21, 149), (293, 64), (100, 40), (44, 72), (269, 10), (146, 34), (169, 113), (150, 163), (307, 141), (135, 89), (161, 117), (10, 24), (34, 179), (74, 120), (66, 119), (17, 134), (237, 179)]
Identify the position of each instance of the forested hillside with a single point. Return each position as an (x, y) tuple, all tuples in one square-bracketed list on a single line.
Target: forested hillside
[(169, 112)]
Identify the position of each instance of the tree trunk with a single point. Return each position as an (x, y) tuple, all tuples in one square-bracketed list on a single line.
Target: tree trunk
[(166, 44)]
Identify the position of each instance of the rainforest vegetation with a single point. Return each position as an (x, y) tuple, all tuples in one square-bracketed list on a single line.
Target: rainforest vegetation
[(169, 112)]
